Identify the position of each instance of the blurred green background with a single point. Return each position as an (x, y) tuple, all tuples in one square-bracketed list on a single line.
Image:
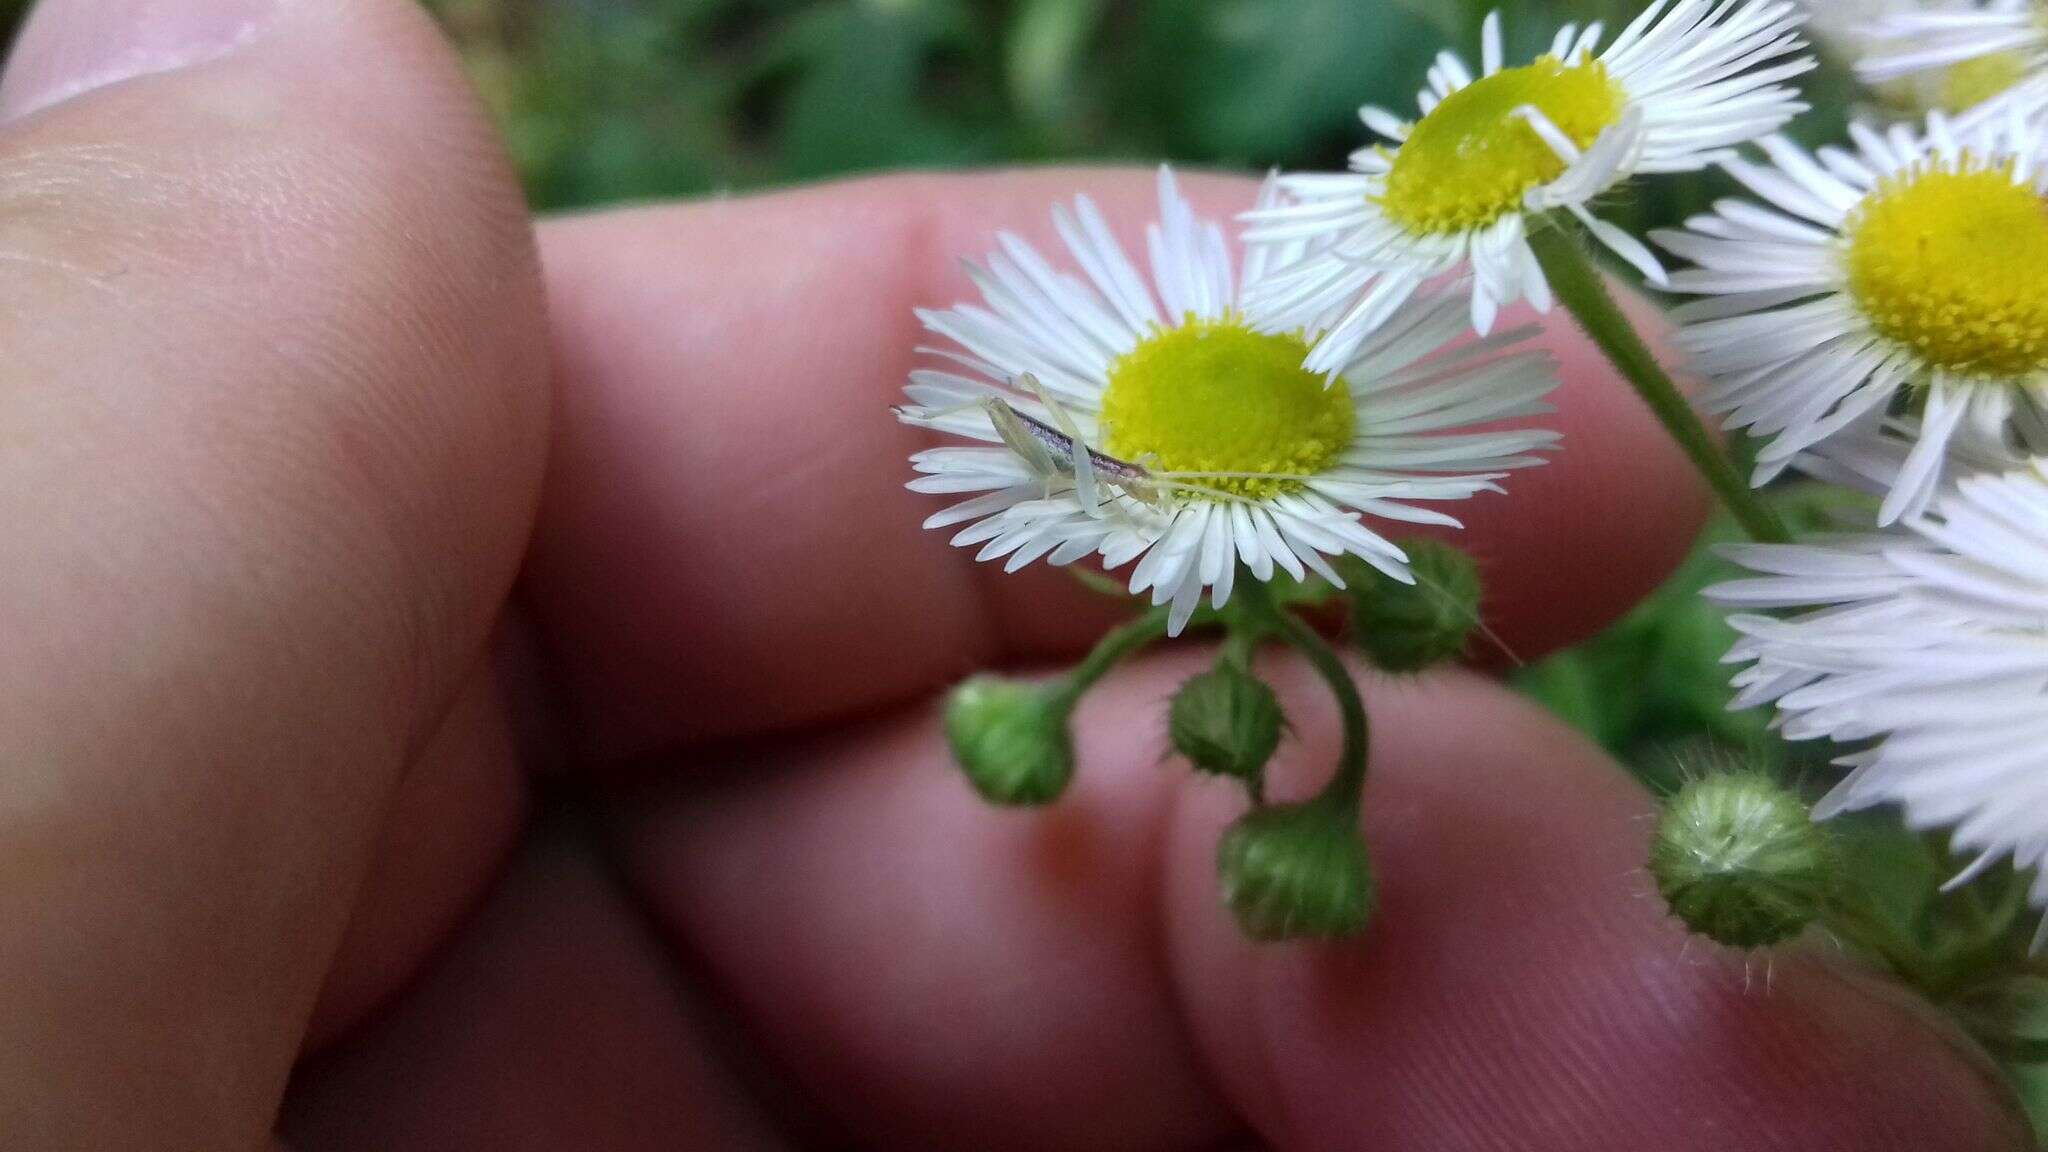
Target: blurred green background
[(607, 100), (604, 101)]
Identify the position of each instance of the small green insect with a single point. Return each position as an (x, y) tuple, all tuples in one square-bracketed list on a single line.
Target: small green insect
[(1056, 451)]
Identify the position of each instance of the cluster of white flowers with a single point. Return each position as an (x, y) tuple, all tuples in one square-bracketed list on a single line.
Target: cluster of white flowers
[(1976, 60), (1880, 314), (1155, 424), (1491, 156), (1209, 416), (1930, 644), (1877, 315)]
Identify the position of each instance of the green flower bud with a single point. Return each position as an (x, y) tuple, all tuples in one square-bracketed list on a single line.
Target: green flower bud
[(1739, 860), (1409, 627), (1226, 722), (1297, 871), (1011, 739)]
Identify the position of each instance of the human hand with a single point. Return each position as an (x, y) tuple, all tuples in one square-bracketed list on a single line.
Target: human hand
[(271, 449)]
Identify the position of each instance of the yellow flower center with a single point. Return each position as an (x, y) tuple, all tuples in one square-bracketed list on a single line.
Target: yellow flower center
[(1215, 396), (1954, 264), (1472, 159), (1971, 82)]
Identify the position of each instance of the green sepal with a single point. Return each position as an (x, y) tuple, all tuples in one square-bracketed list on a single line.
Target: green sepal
[(1297, 871), (1410, 627), (1740, 861), (1011, 739), (1227, 723)]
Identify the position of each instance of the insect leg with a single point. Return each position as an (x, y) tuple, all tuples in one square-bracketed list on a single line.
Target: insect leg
[(1018, 438), (1085, 489)]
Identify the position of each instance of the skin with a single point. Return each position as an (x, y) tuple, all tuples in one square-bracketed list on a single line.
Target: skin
[(470, 692)]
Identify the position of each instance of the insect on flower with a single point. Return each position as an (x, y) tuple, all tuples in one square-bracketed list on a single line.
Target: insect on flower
[(1146, 423), (1058, 450)]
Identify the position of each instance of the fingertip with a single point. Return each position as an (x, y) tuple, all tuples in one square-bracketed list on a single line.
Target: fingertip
[(940, 975), (1520, 985), (453, 820), (274, 425), (69, 47), (553, 1020), (934, 973)]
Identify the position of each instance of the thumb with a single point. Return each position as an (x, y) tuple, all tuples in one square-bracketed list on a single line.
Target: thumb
[(272, 419)]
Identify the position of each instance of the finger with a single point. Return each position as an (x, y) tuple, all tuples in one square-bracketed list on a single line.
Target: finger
[(457, 811), (1524, 988), (727, 487), (270, 431), (940, 975), (459, 808), (554, 1021)]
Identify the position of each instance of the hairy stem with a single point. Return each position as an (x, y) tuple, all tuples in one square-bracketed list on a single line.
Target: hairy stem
[(1347, 787), (1238, 645), (1579, 286), (1858, 928), (1114, 647)]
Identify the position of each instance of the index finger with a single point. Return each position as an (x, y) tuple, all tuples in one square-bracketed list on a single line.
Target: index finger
[(726, 547)]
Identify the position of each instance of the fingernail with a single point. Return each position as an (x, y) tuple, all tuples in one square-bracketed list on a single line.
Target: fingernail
[(70, 47)]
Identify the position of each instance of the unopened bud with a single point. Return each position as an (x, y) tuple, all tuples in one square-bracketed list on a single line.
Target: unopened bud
[(1740, 861), (1297, 871), (1011, 739), (1409, 627), (1226, 722)]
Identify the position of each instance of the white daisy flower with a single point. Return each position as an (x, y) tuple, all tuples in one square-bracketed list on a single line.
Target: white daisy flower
[(1846, 26), (1909, 273), (1491, 155), (1980, 60), (1870, 455), (1144, 420), (1932, 642)]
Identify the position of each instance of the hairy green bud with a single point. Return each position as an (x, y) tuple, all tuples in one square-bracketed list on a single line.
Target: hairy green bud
[(1409, 627), (1297, 871), (1011, 739), (1227, 723), (1739, 859)]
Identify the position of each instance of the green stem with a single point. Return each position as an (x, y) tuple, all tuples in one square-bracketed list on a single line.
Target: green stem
[(1580, 287), (1095, 581), (1347, 787), (1109, 651), (1238, 645), (1857, 927), (1240, 641)]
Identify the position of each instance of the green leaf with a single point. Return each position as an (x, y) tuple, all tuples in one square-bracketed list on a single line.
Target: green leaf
[(2030, 1081), (2010, 1018), (1570, 686), (862, 76), (1045, 57), (1272, 81), (1457, 20)]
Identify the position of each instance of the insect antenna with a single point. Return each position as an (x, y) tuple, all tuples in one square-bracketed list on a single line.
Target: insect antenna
[(1164, 481), (1293, 476), (1471, 615), (1079, 454)]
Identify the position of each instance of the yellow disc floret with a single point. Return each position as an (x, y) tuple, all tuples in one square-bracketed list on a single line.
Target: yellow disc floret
[(1472, 159), (1968, 83), (1953, 263), (1215, 396)]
